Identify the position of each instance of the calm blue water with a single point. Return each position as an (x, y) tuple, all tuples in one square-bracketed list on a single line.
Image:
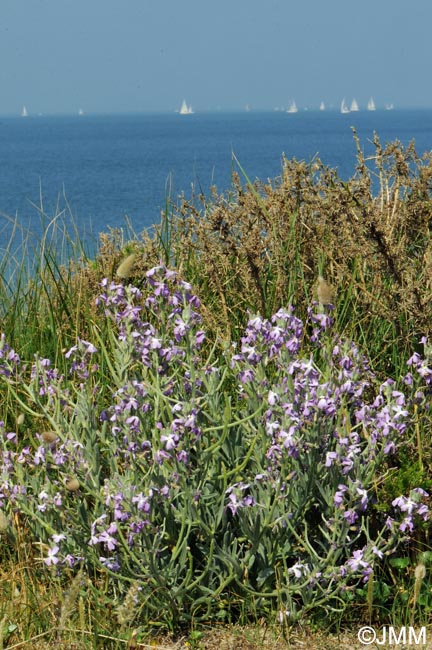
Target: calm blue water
[(112, 166)]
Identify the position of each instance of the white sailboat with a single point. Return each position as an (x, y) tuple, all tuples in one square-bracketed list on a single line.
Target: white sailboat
[(24, 112), (344, 107), (185, 109), (292, 108), (322, 106), (371, 105), (389, 107), (354, 106), (80, 111)]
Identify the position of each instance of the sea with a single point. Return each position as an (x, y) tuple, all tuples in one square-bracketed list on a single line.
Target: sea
[(102, 171)]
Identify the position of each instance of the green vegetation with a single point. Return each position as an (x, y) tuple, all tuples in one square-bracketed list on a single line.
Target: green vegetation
[(190, 432)]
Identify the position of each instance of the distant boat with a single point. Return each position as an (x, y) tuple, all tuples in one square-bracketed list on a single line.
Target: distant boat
[(322, 106), (292, 108), (24, 112), (354, 106), (185, 109), (389, 107), (344, 107), (371, 105), (80, 111)]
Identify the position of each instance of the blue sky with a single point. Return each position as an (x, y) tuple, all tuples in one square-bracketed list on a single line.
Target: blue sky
[(146, 55)]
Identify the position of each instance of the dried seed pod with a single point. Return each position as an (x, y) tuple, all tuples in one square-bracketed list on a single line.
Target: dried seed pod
[(325, 292), (420, 571), (73, 485), (419, 574), (126, 268), (20, 419), (49, 436)]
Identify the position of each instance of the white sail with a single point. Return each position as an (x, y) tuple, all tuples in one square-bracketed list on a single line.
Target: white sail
[(322, 106), (354, 106), (80, 111), (185, 109), (292, 108), (371, 104), (344, 107), (24, 112)]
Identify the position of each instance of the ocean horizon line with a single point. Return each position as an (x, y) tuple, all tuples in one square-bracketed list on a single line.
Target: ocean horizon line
[(330, 108)]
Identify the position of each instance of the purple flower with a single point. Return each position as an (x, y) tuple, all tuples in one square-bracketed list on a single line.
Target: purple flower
[(71, 560), (234, 504), (236, 498), (110, 563), (414, 360), (142, 502), (171, 440), (404, 504), (356, 562), (107, 539), (339, 495), (390, 447), (299, 570), (180, 329), (331, 458), (423, 512), (377, 552), (351, 516), (407, 524), (52, 559)]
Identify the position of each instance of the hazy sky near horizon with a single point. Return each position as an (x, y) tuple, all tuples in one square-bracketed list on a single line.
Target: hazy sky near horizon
[(147, 55)]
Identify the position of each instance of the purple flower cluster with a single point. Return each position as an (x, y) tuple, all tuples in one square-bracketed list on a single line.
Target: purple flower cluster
[(162, 462), (412, 507), (171, 304), (9, 359), (238, 497), (321, 422), (303, 398), (81, 354)]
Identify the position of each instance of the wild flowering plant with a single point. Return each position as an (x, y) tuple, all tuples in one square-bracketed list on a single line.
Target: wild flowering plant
[(209, 483)]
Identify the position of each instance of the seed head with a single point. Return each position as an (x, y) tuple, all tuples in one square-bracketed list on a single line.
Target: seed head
[(126, 611), (49, 436), (420, 571), (325, 292), (419, 574), (126, 268), (20, 419), (72, 485)]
